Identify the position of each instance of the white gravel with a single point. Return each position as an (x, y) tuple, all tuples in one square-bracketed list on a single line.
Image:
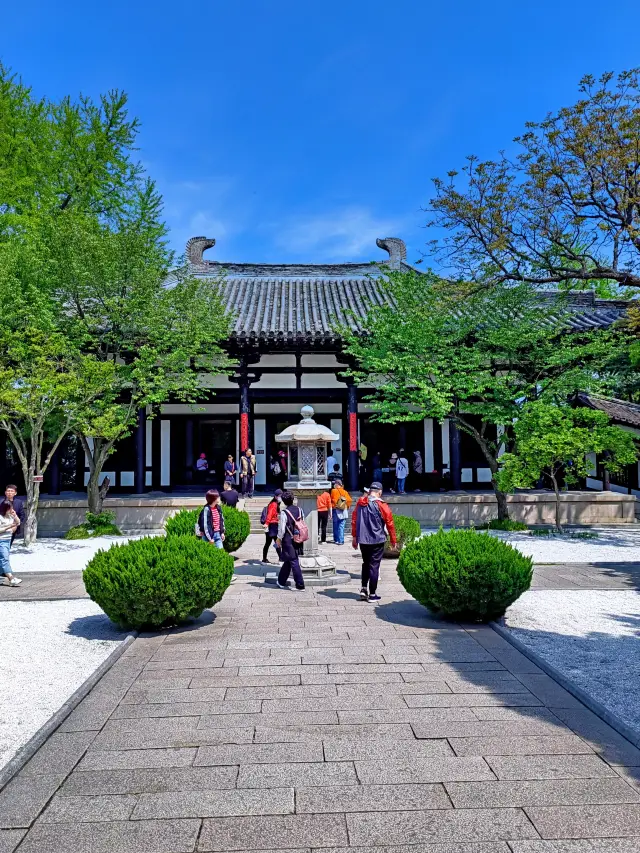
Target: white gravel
[(611, 545), (592, 636), (49, 649), (59, 555)]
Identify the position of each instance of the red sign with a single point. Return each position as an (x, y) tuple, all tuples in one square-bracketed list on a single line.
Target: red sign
[(38, 478), (353, 431), (244, 431)]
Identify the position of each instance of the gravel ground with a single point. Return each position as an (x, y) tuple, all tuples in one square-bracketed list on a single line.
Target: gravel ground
[(42, 668), (59, 555), (611, 545), (593, 637)]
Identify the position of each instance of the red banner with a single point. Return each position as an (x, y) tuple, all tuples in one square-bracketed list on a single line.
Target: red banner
[(353, 431), (244, 432)]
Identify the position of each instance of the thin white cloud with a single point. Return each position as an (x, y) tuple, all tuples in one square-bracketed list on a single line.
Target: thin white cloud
[(345, 234)]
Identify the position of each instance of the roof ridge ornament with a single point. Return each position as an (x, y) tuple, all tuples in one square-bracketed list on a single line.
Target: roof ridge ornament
[(195, 248), (396, 247)]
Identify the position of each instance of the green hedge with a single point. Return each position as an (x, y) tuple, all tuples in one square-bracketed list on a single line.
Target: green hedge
[(505, 524), (464, 575), (97, 524), (407, 530), (157, 582), (237, 525)]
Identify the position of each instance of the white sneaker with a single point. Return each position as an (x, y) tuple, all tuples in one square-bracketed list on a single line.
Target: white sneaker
[(15, 582), (283, 585)]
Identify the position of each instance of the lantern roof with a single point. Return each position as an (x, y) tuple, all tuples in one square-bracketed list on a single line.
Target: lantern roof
[(307, 430)]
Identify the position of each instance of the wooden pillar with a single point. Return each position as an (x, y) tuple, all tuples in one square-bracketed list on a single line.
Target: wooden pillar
[(141, 466), (188, 450), (455, 462), (245, 414), (352, 426)]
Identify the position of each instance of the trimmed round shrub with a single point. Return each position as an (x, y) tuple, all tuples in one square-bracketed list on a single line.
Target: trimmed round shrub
[(158, 581), (237, 525), (407, 530), (464, 575)]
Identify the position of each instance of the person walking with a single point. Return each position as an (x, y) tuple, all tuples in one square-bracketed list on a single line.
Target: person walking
[(331, 462), (9, 523), (391, 472), (269, 519), (230, 469), (418, 470), (247, 472), (229, 496), (323, 503), (402, 472), (372, 515), (335, 474), (17, 505), (211, 519), (376, 466), (340, 504), (289, 549)]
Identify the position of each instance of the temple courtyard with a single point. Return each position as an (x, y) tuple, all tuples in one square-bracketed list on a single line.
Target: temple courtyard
[(313, 721)]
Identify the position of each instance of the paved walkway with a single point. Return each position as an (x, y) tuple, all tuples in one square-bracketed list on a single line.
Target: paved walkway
[(316, 722), (51, 586)]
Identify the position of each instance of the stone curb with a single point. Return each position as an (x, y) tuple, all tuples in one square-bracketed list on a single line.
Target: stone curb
[(26, 752), (627, 731)]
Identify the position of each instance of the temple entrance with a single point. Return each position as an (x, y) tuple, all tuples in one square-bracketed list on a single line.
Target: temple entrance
[(215, 437)]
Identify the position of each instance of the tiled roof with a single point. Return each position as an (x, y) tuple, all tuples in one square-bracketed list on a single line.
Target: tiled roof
[(301, 304), (620, 411)]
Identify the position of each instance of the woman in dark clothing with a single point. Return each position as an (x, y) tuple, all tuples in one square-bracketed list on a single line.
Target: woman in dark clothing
[(289, 514), (271, 519)]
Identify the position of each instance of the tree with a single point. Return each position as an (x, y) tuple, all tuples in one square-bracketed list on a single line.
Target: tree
[(83, 253), (554, 441), (565, 210), (450, 350), (44, 390)]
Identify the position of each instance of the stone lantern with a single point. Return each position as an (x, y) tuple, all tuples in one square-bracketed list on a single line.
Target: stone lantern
[(307, 457)]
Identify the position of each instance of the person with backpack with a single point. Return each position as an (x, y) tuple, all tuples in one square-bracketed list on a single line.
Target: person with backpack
[(372, 515), (211, 520), (269, 520), (292, 533), (340, 504)]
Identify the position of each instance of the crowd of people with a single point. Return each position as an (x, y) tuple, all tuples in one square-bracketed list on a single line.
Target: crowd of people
[(285, 529)]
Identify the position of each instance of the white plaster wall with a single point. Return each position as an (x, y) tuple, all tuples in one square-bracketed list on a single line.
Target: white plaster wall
[(282, 360), (445, 442), (148, 461), (199, 409), (286, 408), (336, 426), (276, 380), (165, 453), (428, 461), (320, 380), (323, 360)]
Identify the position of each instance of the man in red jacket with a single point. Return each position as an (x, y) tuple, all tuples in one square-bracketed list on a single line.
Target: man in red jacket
[(370, 523)]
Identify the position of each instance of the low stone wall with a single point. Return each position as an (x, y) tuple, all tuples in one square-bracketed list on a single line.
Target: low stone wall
[(57, 515), (533, 507)]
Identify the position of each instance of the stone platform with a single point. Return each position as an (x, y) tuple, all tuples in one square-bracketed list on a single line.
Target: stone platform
[(142, 513)]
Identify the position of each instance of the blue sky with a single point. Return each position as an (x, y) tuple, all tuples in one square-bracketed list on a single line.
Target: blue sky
[(295, 131)]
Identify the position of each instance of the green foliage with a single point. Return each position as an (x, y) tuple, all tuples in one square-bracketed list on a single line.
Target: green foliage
[(97, 524), (505, 524), (551, 215), (555, 440), (443, 349), (464, 575), (157, 582), (237, 525), (407, 529)]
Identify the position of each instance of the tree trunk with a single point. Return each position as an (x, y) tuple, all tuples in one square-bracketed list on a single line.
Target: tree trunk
[(503, 509), (97, 456), (30, 526), (557, 491)]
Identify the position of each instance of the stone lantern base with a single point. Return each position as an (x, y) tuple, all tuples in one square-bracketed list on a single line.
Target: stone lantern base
[(317, 568)]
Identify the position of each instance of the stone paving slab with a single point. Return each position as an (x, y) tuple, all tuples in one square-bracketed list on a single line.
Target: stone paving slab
[(315, 722)]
